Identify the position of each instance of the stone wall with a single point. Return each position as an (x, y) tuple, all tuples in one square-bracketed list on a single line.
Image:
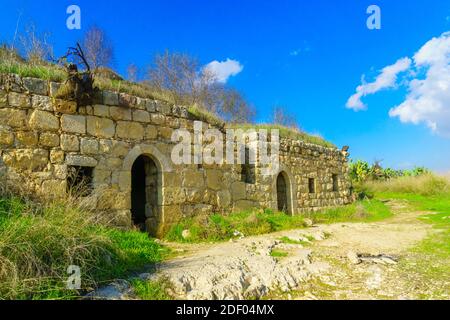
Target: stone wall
[(41, 138)]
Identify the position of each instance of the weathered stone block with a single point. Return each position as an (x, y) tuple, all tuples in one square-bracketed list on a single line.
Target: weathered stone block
[(54, 88), (193, 179), (43, 120), (54, 188), (120, 113), (27, 138), (27, 159), (56, 156), (36, 86), (70, 143), (150, 105), (81, 161), (101, 110), (141, 116), (65, 106), (41, 103), (3, 99), (19, 100), (60, 171), (151, 132), (223, 199), (214, 179), (100, 127), (89, 146), (6, 136), (127, 100), (102, 177), (238, 190), (49, 139), (158, 119), (165, 133), (130, 130), (110, 98), (73, 124), (13, 117)]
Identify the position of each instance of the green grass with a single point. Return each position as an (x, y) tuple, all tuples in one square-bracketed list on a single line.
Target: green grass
[(361, 211), (285, 132), (151, 290), (38, 243), (278, 254), (221, 228), (288, 240), (430, 259), (46, 72)]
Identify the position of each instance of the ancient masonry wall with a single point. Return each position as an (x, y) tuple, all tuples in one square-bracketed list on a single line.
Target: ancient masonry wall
[(41, 138)]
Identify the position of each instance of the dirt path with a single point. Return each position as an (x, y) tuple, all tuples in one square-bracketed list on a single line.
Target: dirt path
[(337, 261), (322, 262)]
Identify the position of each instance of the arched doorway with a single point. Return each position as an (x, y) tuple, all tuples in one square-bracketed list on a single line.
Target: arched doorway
[(283, 193), (145, 188)]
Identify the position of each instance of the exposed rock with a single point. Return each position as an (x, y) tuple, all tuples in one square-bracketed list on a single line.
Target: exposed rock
[(353, 258)]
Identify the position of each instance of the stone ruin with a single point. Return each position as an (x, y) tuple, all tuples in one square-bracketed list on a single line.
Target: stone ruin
[(120, 148)]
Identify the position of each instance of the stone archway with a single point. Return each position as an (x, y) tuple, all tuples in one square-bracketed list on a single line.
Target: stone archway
[(285, 192), (145, 187), (149, 162)]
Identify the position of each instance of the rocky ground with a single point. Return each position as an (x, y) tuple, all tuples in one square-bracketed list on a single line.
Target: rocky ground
[(338, 261)]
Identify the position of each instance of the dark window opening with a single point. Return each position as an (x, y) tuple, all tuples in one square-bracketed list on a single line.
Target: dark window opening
[(79, 181), (248, 171), (282, 194), (335, 183), (312, 185)]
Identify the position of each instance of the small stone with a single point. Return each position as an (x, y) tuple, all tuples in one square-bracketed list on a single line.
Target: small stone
[(353, 258), (186, 234), (308, 222)]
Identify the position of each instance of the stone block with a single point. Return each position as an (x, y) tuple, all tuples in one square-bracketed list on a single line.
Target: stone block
[(214, 179), (13, 117), (238, 190), (141, 116), (89, 146), (120, 113), (73, 124), (151, 132), (70, 143), (101, 110), (27, 138), (56, 156), (130, 130), (41, 103), (49, 139), (193, 179), (6, 136), (158, 119), (81, 161), (36, 86), (65, 106), (100, 127), (43, 120), (19, 100), (110, 98)]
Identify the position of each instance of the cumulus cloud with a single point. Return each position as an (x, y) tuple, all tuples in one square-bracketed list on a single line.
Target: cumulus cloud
[(386, 79), (223, 70), (428, 98)]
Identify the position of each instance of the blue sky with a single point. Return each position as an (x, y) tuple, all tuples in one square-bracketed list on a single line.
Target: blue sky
[(308, 56)]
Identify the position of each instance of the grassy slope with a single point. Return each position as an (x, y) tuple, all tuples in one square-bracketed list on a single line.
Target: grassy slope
[(430, 258), (38, 243)]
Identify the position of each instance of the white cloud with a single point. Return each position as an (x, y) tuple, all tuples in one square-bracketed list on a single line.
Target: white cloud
[(428, 85), (386, 79), (223, 70), (428, 99)]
